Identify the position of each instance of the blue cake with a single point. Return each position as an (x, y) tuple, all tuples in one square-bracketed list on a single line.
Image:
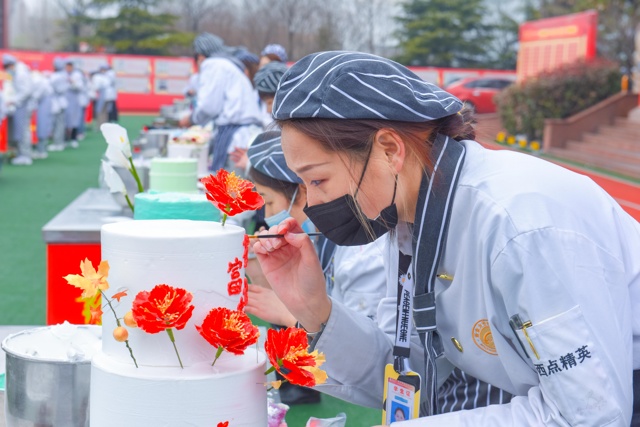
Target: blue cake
[(161, 205)]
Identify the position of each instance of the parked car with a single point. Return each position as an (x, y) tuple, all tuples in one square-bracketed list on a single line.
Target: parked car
[(478, 92)]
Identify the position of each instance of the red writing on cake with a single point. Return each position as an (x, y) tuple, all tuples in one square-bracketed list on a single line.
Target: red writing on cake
[(234, 287)]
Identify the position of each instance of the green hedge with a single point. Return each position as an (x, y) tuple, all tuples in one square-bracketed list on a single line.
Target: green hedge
[(560, 93)]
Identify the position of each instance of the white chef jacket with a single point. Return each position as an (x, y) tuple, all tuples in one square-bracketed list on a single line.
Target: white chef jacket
[(359, 278), (224, 95), (528, 238), (60, 83), (22, 85), (111, 89)]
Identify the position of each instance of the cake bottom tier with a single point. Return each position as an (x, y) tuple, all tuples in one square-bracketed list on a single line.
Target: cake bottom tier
[(234, 391)]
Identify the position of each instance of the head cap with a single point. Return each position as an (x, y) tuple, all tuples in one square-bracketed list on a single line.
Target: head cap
[(353, 85), (265, 155)]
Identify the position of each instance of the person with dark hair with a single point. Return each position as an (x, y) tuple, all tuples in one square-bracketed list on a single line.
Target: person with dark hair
[(224, 96), (514, 270), (399, 414), (353, 275)]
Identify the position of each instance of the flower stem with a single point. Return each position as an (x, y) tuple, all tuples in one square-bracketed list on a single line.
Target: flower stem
[(218, 353), (224, 218), (126, 196), (135, 362), (173, 341), (134, 172), (111, 307), (118, 323), (268, 371)]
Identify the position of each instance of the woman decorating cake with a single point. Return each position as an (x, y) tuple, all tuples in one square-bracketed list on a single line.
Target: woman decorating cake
[(510, 268)]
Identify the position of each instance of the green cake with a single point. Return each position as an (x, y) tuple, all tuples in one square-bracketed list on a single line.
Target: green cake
[(174, 175), (157, 205)]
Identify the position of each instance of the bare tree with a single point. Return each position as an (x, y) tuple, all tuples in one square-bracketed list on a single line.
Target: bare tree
[(193, 13)]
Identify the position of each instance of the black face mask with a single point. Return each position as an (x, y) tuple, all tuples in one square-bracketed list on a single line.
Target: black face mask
[(338, 220)]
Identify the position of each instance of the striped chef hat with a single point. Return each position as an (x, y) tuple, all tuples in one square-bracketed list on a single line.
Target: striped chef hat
[(277, 50), (243, 54), (267, 78), (265, 155), (206, 44), (353, 85)]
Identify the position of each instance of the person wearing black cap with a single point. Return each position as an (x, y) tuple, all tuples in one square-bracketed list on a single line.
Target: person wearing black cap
[(224, 96), (18, 107), (515, 270), (354, 275)]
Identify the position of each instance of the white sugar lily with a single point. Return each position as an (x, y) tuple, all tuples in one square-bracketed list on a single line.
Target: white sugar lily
[(115, 182), (119, 149)]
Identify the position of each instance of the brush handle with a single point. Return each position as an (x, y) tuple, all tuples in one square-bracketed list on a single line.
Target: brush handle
[(272, 236)]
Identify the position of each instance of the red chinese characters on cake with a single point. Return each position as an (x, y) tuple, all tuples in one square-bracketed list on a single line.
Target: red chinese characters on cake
[(234, 287)]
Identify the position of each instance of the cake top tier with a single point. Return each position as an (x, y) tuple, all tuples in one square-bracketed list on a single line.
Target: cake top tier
[(172, 236), (169, 165)]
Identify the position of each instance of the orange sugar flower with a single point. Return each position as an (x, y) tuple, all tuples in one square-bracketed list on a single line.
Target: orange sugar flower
[(91, 281), (288, 353)]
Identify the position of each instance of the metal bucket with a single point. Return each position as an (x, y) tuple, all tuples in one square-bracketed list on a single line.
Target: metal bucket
[(45, 393)]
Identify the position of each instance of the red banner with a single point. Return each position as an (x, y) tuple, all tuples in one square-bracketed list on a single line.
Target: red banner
[(546, 44)]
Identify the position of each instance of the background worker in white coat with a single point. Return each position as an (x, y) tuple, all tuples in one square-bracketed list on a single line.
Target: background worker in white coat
[(46, 107), (18, 107), (224, 96), (75, 97), (60, 84), (515, 270)]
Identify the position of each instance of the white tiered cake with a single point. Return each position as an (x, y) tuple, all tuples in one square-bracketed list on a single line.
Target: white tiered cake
[(193, 255)]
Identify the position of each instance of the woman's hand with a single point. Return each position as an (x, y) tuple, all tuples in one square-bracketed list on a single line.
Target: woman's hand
[(293, 270), (264, 303)]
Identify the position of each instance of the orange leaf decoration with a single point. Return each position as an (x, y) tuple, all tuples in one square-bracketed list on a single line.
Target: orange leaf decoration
[(119, 295), (288, 353), (232, 330), (96, 315), (163, 308), (231, 194), (90, 281)]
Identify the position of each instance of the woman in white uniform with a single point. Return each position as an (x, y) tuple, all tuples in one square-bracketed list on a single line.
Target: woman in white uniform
[(519, 272)]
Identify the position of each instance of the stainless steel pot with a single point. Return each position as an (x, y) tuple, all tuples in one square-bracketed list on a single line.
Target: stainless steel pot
[(45, 393)]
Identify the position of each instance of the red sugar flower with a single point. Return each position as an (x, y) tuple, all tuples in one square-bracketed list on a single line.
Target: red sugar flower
[(163, 308), (224, 424), (231, 194), (228, 330), (288, 353)]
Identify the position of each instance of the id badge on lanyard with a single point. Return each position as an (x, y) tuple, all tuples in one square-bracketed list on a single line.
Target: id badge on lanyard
[(401, 398)]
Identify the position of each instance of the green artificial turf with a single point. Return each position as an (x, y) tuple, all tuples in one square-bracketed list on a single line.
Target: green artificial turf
[(31, 196)]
